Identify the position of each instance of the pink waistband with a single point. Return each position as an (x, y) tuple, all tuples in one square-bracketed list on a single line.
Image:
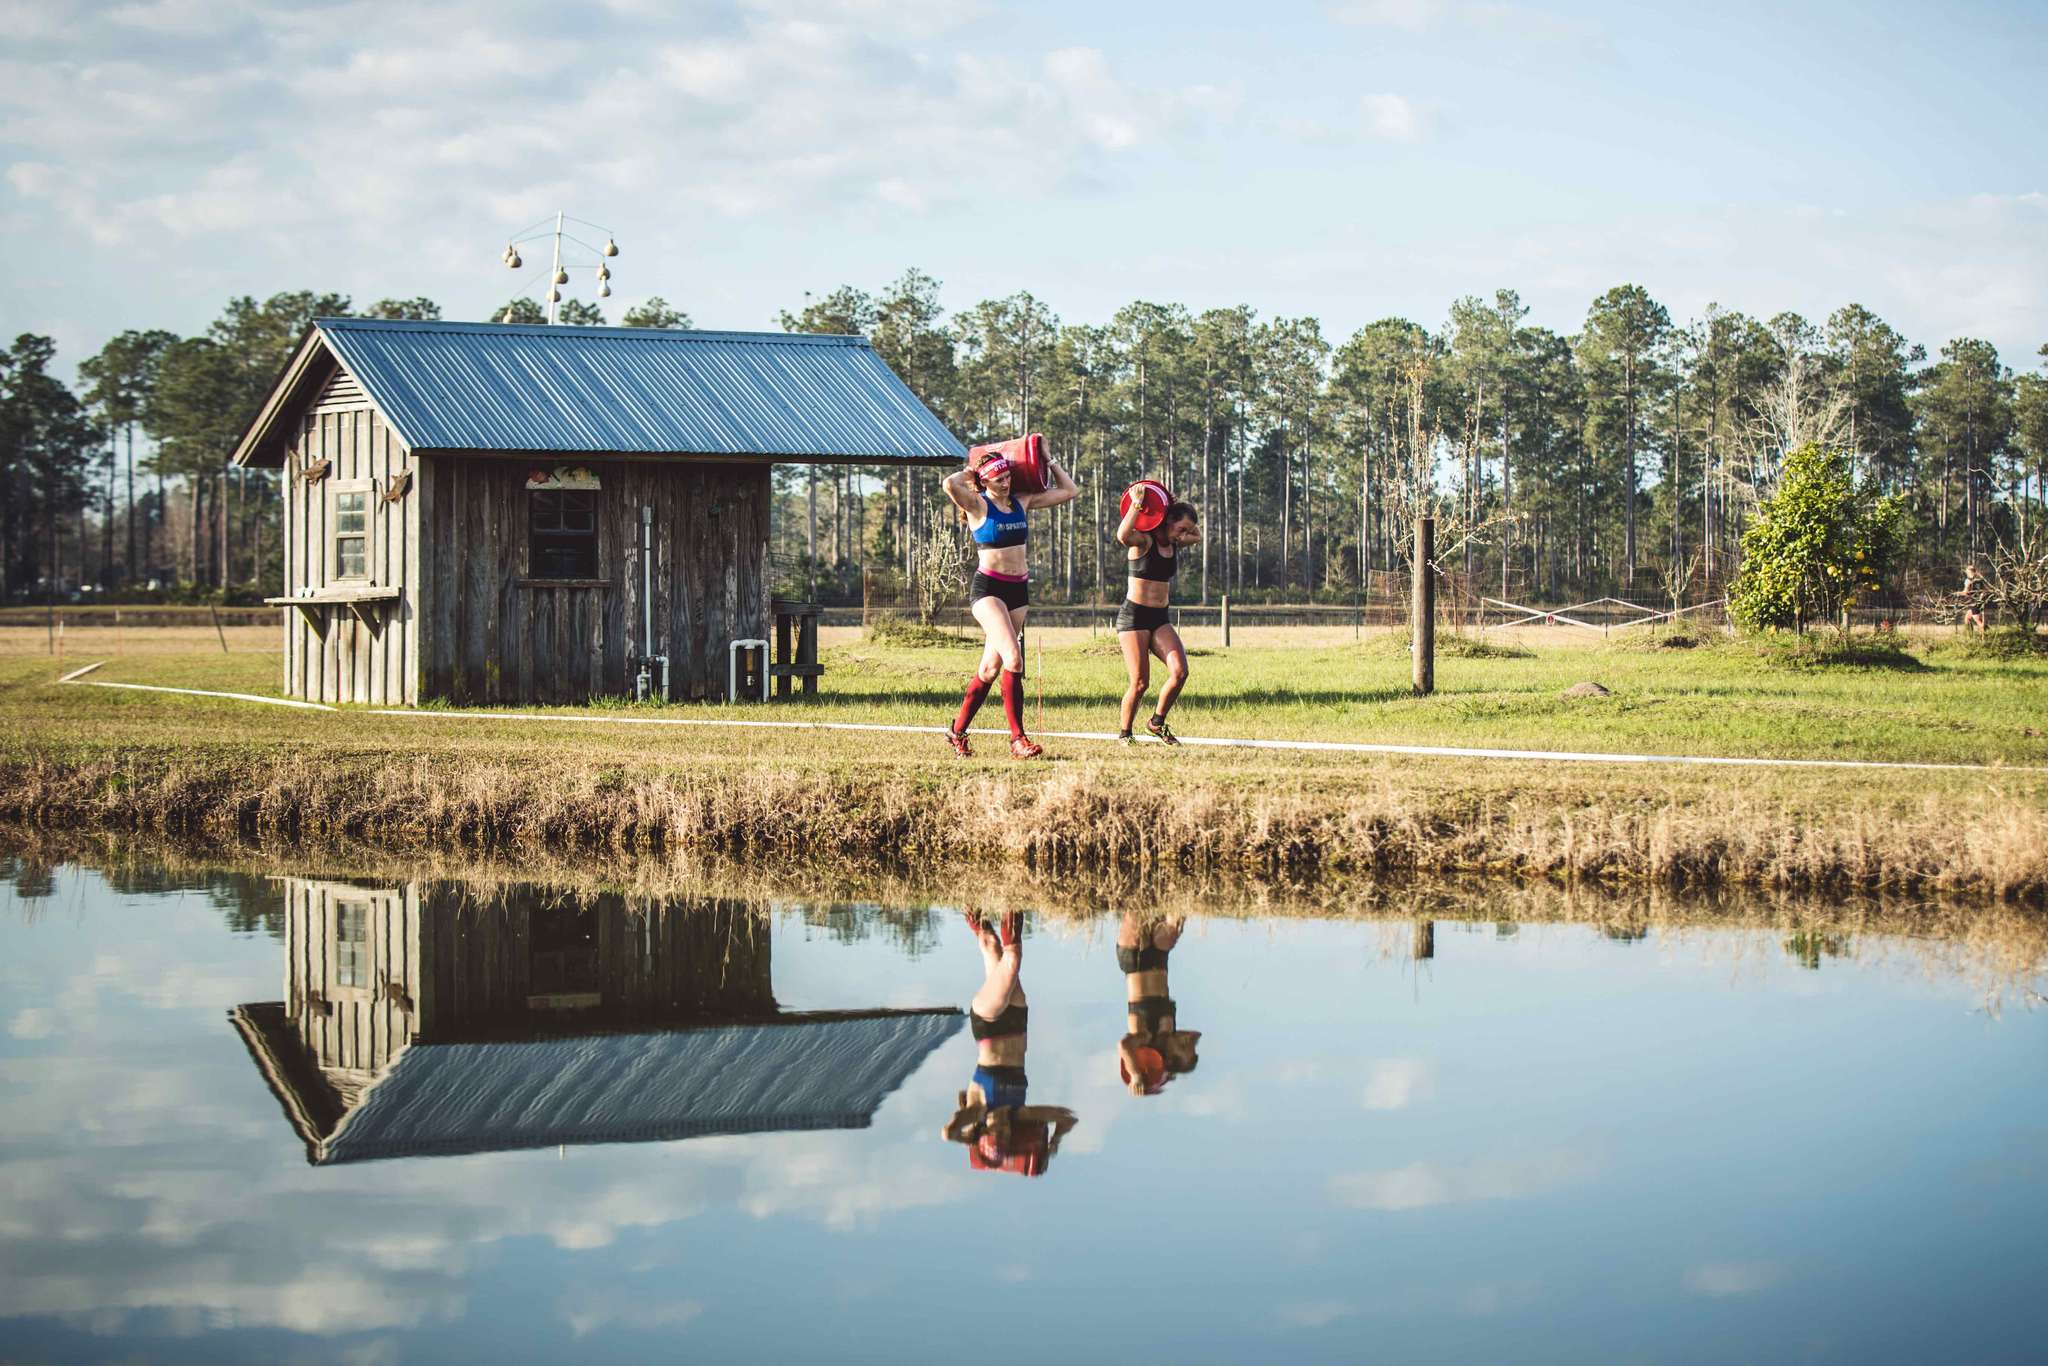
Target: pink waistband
[(1006, 578)]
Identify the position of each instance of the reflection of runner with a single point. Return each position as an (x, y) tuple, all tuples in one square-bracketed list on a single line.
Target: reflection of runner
[(1001, 1131), (1154, 1049)]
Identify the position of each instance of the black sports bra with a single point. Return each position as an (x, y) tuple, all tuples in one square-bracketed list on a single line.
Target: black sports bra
[(1012, 1021), (1153, 565)]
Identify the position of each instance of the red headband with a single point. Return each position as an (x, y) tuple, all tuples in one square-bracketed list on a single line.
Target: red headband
[(993, 466)]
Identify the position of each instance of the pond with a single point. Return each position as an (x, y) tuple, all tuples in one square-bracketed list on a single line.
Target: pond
[(319, 1118)]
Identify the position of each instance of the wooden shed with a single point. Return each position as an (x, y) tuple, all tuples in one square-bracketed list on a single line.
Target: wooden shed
[(491, 514), (421, 1019)]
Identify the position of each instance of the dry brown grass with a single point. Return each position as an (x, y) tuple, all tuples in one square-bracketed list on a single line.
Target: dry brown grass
[(1080, 820), (2000, 946)]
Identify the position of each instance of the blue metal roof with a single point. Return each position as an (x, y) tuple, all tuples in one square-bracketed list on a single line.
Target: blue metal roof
[(440, 1099), (636, 390)]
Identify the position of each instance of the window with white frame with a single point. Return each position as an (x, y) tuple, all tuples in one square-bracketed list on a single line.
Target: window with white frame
[(352, 944), (352, 502)]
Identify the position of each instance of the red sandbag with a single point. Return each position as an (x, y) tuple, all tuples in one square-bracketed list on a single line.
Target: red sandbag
[(1155, 497), (1026, 455)]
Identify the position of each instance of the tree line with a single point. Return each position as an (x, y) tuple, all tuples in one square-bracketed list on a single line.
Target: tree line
[(1628, 457), (86, 507)]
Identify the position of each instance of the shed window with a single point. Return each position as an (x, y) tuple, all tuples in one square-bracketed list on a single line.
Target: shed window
[(562, 527), (351, 533), (352, 944)]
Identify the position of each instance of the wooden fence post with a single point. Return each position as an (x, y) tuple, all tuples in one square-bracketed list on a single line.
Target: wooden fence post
[(1226, 621), (1422, 626)]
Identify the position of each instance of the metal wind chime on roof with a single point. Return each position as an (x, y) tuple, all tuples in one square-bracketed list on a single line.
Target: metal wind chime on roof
[(558, 274)]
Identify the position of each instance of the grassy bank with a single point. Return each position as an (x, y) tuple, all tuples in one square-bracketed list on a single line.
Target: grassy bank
[(2002, 946), (145, 762)]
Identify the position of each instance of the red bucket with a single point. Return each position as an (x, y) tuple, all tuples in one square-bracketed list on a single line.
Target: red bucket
[(1154, 496), (1026, 455)]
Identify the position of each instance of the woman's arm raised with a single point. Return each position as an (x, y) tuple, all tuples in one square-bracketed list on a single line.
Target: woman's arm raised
[(960, 487), (1127, 532)]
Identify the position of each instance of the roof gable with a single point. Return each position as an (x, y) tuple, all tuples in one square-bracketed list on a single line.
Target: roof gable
[(619, 390)]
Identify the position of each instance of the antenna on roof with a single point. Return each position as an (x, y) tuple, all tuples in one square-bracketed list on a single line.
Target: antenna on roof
[(558, 274)]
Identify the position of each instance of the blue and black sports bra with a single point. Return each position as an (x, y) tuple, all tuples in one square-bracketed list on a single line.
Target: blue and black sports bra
[(999, 528)]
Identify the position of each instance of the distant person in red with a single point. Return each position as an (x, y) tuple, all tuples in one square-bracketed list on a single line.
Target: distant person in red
[(1154, 1049), (1001, 1131), (1001, 593), (1142, 628)]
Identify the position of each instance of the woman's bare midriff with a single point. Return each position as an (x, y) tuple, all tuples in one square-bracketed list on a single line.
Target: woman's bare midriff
[(1147, 592), (1139, 986), (1014, 560), (1007, 1051)]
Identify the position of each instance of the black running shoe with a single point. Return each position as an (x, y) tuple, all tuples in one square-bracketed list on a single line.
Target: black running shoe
[(1158, 730)]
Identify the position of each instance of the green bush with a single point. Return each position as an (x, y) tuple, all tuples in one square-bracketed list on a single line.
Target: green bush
[(1816, 545)]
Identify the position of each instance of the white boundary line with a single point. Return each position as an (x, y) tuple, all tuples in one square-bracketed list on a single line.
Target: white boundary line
[(77, 674), (201, 692), (1553, 756)]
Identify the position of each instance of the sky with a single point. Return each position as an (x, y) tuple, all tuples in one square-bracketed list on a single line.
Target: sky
[(1349, 160)]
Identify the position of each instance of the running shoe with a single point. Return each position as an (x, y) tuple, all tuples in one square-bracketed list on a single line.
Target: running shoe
[(1126, 739), (1025, 748), (959, 743), (1158, 730)]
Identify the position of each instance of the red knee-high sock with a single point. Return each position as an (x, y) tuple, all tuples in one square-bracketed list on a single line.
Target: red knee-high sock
[(977, 693), (1013, 702)]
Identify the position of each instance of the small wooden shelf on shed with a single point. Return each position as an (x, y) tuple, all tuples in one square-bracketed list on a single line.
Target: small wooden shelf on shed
[(360, 599)]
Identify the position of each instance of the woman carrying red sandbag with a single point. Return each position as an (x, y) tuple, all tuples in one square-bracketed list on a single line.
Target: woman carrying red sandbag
[(1156, 529), (1001, 594)]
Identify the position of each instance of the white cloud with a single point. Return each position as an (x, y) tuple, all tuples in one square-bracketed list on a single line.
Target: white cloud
[(1420, 1185), (1488, 18), (1391, 118), (1721, 1280), (1396, 1083), (1412, 15), (710, 71), (33, 1023), (1314, 1313), (606, 1309)]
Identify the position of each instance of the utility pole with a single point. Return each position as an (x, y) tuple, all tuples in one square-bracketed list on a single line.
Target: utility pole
[(1422, 613)]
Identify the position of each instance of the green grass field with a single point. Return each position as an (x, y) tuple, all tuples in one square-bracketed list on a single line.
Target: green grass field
[(1725, 699), (1720, 699)]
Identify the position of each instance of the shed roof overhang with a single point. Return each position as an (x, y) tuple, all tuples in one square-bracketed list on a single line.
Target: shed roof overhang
[(783, 1072), (549, 393)]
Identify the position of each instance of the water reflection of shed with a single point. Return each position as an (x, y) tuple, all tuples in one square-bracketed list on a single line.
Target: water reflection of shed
[(426, 1018)]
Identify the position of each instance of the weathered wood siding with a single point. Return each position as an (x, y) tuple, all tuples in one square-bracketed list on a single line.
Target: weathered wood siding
[(492, 634), (331, 655), (352, 1030), (647, 966)]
